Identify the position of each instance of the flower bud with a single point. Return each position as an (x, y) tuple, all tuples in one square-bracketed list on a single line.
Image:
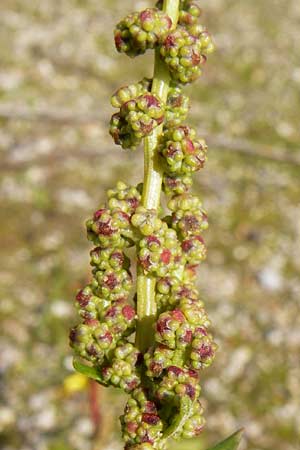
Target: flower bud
[(140, 31), (182, 153), (184, 54)]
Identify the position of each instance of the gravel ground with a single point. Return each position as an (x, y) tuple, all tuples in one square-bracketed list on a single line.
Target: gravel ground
[(58, 68)]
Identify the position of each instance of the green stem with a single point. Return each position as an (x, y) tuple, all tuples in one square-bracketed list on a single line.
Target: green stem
[(146, 306)]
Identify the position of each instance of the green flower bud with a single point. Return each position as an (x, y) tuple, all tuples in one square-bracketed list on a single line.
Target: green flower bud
[(88, 304), (177, 107), (121, 133), (176, 184), (182, 152), (120, 318), (140, 31), (194, 312), (157, 359), (109, 229), (106, 259), (122, 371), (146, 221), (170, 291), (184, 54), (113, 285), (168, 328), (178, 383), (160, 253), (203, 349), (189, 13), (194, 250), (84, 343), (123, 197), (188, 218), (140, 422), (143, 114), (127, 93)]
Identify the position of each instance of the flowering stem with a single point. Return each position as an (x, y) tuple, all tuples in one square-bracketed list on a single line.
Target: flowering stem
[(146, 305)]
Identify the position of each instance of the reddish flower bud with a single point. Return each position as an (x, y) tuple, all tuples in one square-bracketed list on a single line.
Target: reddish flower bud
[(82, 298), (165, 256), (128, 312), (151, 419)]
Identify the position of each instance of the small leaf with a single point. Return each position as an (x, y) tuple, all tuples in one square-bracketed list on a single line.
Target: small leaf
[(179, 420), (89, 371), (231, 443)]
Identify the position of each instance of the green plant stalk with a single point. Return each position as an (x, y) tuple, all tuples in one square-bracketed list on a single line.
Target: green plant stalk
[(146, 305)]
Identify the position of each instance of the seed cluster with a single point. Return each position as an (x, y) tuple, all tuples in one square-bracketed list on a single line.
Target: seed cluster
[(163, 380)]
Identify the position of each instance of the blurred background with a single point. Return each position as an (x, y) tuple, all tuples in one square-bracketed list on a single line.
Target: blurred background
[(58, 68)]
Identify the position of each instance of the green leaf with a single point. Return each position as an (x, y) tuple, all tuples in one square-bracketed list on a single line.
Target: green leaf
[(231, 443), (89, 371)]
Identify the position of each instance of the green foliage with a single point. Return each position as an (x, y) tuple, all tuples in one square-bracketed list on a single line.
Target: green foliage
[(88, 371), (231, 443)]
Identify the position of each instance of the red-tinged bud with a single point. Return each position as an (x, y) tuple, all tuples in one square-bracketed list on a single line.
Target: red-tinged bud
[(146, 438), (151, 239), (162, 325), (170, 41), (187, 245), (190, 391), (175, 370), (151, 100), (150, 407), (131, 427), (134, 202), (189, 146), (91, 322), (118, 40), (128, 312), (112, 312), (105, 228), (187, 337), (146, 15), (165, 256), (196, 58), (99, 213), (205, 351), (106, 337), (145, 262), (110, 281), (185, 292), (130, 385), (151, 419), (185, 129), (73, 335), (82, 298), (119, 257), (192, 373), (178, 315), (201, 330), (156, 368)]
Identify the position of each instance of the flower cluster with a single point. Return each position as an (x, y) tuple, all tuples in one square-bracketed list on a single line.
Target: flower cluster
[(183, 153), (183, 49), (141, 31), (108, 316), (136, 119), (185, 54), (177, 106), (141, 424), (161, 377)]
